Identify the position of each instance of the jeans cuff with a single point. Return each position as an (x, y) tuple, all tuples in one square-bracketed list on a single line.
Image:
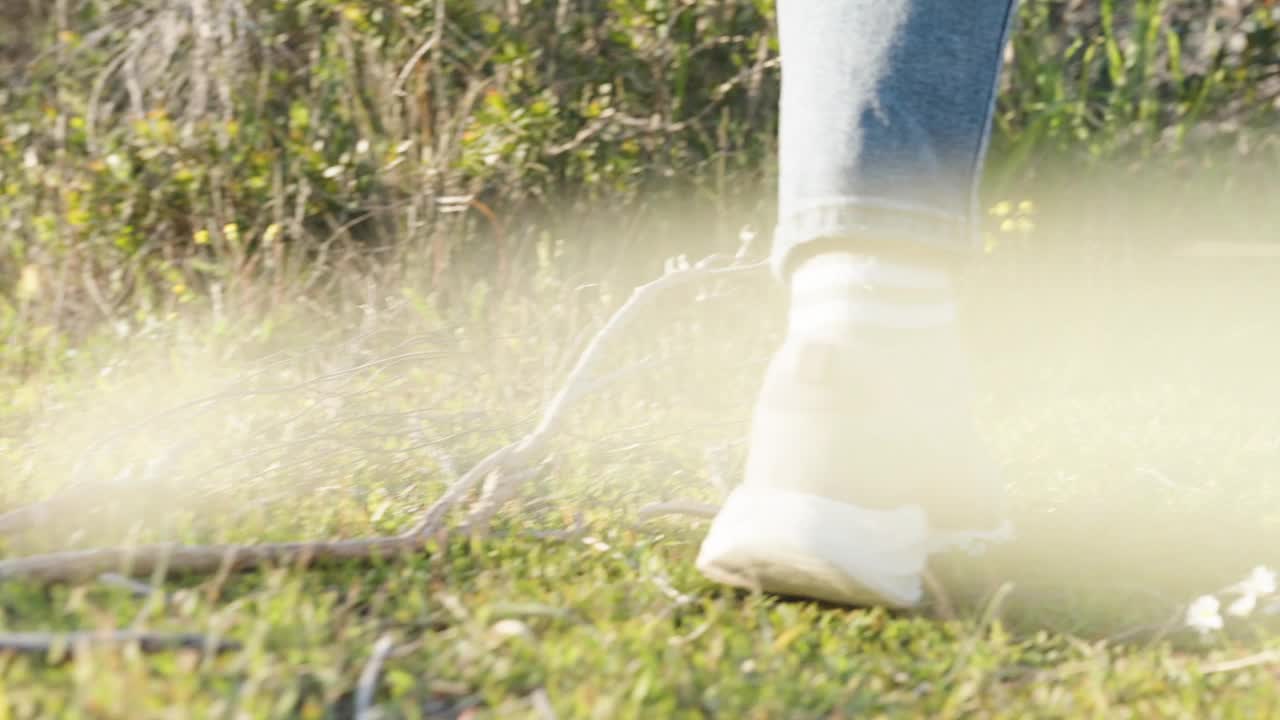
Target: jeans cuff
[(917, 229)]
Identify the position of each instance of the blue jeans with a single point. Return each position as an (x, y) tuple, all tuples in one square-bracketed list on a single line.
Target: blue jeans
[(886, 112)]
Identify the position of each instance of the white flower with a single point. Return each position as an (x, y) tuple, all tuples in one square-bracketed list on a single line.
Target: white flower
[(510, 628), (1262, 581), (1243, 605), (1202, 615)]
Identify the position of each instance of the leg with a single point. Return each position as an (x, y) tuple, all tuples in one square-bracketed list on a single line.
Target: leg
[(864, 455), (886, 107)]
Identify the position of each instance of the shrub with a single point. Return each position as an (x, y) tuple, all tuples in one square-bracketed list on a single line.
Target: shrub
[(154, 150)]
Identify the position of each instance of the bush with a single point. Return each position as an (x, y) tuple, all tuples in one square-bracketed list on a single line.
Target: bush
[(153, 151)]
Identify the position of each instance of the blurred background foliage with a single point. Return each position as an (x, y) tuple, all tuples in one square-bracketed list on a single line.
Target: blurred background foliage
[(243, 152)]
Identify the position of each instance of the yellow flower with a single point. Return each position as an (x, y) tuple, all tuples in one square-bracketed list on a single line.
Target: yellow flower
[(232, 232), (29, 282), (353, 14), (1025, 225), (1008, 225), (201, 237), (271, 233), (1002, 208), (1026, 207), (179, 289)]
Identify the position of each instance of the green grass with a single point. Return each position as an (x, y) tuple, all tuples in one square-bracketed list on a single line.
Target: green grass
[(1131, 406), (222, 222)]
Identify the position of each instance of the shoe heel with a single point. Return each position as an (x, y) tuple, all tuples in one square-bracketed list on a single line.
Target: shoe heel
[(790, 543)]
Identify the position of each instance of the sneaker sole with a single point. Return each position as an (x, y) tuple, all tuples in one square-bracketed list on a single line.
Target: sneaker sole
[(788, 543)]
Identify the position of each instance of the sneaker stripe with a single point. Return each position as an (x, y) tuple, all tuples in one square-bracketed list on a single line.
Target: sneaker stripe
[(826, 318), (839, 270), (806, 295)]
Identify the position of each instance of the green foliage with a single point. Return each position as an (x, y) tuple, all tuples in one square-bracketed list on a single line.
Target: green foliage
[(154, 151), (141, 133), (1137, 479), (235, 155), (1147, 79)]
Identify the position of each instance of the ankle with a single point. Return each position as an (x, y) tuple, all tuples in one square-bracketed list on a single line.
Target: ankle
[(838, 294)]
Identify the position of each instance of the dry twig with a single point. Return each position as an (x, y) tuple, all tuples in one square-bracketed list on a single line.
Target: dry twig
[(579, 382), (368, 686), (678, 507), (1267, 657), (508, 465), (941, 598), (69, 643)]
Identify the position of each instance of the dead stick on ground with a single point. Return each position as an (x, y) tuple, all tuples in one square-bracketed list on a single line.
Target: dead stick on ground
[(78, 565), (941, 598), (367, 689), (1267, 657), (140, 561), (678, 507), (579, 381), (44, 643)]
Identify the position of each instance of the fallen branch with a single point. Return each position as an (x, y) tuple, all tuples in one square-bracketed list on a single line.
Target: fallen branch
[(579, 381), (367, 689), (678, 507), (137, 589), (1267, 657), (70, 643), (80, 565), (508, 465), (941, 598)]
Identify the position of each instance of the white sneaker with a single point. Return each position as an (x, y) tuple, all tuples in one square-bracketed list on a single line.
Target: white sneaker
[(793, 543), (864, 460)]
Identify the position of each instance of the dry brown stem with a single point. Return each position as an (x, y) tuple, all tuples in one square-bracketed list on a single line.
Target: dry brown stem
[(508, 466), (66, 644)]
